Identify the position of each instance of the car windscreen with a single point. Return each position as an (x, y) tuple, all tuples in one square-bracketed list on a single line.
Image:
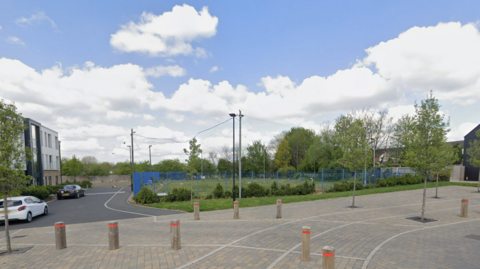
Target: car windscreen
[(68, 187), (11, 203)]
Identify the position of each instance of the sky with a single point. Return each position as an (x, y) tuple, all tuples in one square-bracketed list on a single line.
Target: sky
[(94, 70)]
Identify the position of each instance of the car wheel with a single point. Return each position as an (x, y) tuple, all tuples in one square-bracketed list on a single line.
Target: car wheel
[(29, 217), (45, 211)]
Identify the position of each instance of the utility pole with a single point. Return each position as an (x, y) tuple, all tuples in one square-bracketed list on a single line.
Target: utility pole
[(60, 156), (240, 155), (150, 152), (133, 161), (233, 157), (264, 153)]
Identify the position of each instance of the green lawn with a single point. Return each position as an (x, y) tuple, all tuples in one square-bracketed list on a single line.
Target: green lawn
[(217, 204)]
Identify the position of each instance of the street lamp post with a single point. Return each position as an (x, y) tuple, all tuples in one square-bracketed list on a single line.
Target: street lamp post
[(233, 117), (373, 149), (150, 153)]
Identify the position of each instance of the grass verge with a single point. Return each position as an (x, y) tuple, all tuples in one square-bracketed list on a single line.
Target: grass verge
[(218, 204)]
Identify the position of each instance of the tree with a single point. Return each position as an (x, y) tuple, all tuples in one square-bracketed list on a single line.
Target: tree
[(324, 152), (13, 157), (256, 156), (458, 154), (274, 143), (98, 170), (122, 168), (224, 165), (73, 167), (192, 154), (473, 154), (283, 156), (378, 126), (425, 142), (213, 157), (402, 133), (351, 138), (226, 152), (299, 139), (170, 165), (444, 162), (88, 161)]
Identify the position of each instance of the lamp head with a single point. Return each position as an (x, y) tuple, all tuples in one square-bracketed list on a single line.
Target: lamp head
[(232, 115)]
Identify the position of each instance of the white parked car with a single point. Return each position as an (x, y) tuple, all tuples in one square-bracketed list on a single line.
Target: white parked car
[(23, 208)]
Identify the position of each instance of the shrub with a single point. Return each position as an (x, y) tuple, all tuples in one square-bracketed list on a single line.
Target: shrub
[(218, 191), (369, 186), (178, 195), (391, 181), (256, 190), (41, 192), (145, 196), (381, 182), (359, 186), (210, 196), (273, 187), (85, 184), (401, 180), (228, 194), (53, 189)]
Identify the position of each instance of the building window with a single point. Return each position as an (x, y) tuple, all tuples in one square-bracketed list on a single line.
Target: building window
[(41, 138), (56, 142), (50, 180), (57, 163), (49, 141), (50, 159), (45, 135)]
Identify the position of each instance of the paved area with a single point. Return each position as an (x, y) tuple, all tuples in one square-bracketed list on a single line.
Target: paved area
[(377, 235), (98, 204)]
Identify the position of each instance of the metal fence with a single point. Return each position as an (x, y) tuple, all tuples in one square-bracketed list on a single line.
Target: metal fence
[(204, 183)]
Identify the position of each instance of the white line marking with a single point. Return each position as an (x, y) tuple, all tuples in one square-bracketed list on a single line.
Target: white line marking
[(369, 257), (98, 193), (123, 210), (11, 234), (336, 256)]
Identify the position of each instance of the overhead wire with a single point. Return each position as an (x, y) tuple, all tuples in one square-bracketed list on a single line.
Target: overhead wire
[(175, 141)]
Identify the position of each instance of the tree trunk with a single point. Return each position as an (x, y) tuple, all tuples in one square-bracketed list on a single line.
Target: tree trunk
[(424, 197), (436, 189), (7, 231), (354, 187)]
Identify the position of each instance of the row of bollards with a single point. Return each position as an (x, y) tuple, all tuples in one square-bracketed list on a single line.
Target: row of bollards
[(328, 258), (61, 235)]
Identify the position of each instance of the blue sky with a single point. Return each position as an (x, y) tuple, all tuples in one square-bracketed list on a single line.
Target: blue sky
[(252, 41)]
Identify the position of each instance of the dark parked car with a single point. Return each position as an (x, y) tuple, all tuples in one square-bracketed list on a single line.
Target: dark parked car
[(70, 191)]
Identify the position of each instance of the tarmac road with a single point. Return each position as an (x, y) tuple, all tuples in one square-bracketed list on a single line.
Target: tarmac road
[(98, 204)]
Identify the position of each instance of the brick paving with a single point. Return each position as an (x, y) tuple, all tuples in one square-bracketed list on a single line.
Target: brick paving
[(377, 235)]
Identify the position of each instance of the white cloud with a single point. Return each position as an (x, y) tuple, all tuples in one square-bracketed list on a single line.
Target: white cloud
[(1, 27), (168, 34), (398, 111), (213, 69), (459, 132), (15, 40), (36, 18), (176, 117), (171, 70)]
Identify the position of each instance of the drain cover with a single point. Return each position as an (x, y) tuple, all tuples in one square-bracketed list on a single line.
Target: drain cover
[(473, 236)]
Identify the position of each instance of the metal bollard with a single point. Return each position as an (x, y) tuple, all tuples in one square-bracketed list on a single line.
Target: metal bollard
[(464, 209), (113, 236), (60, 235), (279, 208), (306, 243), (328, 260), (175, 234), (196, 214), (236, 213)]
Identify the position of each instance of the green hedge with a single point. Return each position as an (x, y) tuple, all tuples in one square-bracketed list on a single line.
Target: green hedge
[(406, 179), (41, 192)]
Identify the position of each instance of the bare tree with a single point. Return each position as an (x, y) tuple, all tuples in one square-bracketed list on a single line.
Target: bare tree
[(274, 142), (213, 157), (226, 152)]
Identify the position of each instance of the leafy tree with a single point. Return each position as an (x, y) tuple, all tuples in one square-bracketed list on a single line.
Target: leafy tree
[(426, 141), (324, 152), (256, 157), (170, 165), (402, 133), (207, 166), (351, 138), (224, 165), (73, 167), (473, 154), (299, 139), (444, 162), (98, 170), (192, 153), (283, 156), (143, 166), (458, 154), (88, 161), (13, 156), (122, 168)]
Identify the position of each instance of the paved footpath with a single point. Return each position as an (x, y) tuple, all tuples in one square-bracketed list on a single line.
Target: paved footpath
[(377, 235)]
